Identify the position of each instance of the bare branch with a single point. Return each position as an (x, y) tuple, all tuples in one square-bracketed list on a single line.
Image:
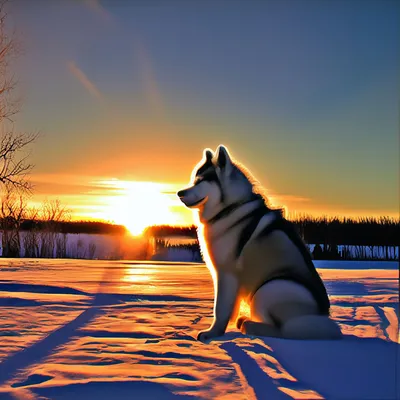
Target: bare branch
[(14, 158), (14, 163)]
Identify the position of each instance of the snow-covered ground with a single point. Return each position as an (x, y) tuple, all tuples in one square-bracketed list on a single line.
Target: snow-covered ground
[(74, 329)]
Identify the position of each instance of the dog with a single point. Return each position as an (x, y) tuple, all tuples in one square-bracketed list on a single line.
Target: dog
[(254, 253)]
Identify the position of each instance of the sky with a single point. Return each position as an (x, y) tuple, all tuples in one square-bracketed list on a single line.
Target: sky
[(305, 93)]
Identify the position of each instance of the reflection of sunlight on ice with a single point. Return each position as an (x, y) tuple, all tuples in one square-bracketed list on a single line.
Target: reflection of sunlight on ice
[(134, 275)]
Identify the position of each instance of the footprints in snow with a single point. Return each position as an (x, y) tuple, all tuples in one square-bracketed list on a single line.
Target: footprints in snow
[(33, 379), (196, 320)]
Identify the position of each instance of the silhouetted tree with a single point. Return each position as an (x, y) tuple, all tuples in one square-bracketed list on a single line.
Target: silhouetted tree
[(30, 238), (14, 164), (367, 236), (51, 213), (12, 210), (317, 252)]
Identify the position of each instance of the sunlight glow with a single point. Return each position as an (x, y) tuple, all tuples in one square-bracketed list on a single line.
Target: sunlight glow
[(136, 275), (138, 205), (244, 309)]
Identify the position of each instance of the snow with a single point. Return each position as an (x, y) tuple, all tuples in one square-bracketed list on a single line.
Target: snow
[(79, 329)]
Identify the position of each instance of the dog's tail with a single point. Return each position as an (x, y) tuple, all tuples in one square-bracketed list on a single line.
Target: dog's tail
[(311, 327), (306, 327)]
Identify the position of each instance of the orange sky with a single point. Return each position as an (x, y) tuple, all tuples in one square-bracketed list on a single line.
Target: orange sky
[(139, 204), (305, 96)]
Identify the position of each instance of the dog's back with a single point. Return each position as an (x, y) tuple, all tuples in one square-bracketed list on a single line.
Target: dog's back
[(279, 253)]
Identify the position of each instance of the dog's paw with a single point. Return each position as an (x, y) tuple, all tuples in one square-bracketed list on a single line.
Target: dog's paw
[(240, 321), (205, 336)]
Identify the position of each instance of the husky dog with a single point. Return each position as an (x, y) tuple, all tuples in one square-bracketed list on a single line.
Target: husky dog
[(255, 254)]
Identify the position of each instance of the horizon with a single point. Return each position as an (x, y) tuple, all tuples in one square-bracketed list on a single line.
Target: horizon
[(127, 96), (381, 219)]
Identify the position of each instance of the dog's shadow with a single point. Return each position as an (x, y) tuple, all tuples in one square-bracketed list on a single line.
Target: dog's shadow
[(348, 368), (263, 386)]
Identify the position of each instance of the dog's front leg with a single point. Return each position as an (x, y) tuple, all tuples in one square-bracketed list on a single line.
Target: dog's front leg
[(224, 303)]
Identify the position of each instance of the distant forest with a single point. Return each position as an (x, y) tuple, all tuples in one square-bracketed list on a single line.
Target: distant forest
[(328, 238), (88, 227), (382, 231), (359, 239)]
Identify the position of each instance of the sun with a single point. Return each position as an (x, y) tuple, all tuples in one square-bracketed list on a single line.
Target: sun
[(139, 205)]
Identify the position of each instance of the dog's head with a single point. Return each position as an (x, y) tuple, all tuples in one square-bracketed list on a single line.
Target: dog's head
[(216, 182)]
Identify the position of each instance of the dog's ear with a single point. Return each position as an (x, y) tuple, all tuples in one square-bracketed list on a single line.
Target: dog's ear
[(208, 154), (224, 160)]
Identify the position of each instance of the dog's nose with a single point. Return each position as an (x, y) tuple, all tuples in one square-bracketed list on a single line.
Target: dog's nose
[(181, 193)]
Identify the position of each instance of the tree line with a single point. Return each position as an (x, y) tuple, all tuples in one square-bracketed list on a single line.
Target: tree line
[(362, 231), (363, 238)]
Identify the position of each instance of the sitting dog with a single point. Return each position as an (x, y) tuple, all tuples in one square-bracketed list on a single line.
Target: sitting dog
[(255, 254)]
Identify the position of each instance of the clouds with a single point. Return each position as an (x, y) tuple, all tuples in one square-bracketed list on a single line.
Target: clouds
[(84, 80), (96, 7), (149, 82)]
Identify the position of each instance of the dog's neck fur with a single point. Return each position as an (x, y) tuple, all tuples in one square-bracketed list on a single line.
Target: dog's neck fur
[(225, 220), (218, 241), (221, 230), (230, 209)]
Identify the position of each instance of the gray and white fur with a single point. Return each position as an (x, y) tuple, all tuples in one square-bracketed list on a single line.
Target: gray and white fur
[(260, 268)]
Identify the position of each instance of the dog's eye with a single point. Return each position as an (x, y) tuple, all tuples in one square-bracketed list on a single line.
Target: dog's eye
[(210, 176), (197, 181)]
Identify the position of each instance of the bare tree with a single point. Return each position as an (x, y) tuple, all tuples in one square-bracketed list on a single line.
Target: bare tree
[(30, 238), (52, 213), (12, 210), (61, 243), (14, 164), (92, 250), (8, 49)]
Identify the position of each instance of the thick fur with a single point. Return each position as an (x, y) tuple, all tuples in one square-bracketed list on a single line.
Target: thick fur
[(280, 308)]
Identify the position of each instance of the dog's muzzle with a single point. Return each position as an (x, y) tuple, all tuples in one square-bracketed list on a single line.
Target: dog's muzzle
[(182, 193), (187, 198)]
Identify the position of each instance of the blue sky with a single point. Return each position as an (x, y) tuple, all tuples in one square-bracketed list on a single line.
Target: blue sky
[(305, 93)]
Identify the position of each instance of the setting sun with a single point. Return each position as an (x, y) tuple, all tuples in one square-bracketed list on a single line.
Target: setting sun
[(138, 205)]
